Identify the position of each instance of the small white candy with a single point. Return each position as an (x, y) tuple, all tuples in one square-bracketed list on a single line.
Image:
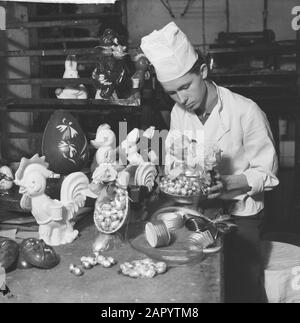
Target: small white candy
[(111, 260), (114, 225), (75, 270), (106, 207), (133, 274), (86, 265), (100, 259), (106, 264), (150, 273), (114, 217), (172, 190), (120, 215), (100, 218), (161, 267), (183, 192), (107, 221)]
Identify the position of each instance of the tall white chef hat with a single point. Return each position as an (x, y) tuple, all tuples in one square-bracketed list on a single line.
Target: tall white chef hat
[(170, 52)]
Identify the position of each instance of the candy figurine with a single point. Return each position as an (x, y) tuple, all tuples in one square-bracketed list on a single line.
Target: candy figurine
[(137, 147), (130, 149), (53, 216), (105, 143), (112, 77), (71, 92)]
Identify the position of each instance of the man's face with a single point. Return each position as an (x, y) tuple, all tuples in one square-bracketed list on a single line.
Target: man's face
[(188, 90)]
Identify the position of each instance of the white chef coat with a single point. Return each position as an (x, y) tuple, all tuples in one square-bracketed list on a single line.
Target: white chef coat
[(241, 130)]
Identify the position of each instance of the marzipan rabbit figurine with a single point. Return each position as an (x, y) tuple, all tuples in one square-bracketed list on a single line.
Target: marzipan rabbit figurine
[(71, 92)]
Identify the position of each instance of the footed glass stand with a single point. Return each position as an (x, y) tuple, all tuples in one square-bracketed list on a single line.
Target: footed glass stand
[(107, 242)]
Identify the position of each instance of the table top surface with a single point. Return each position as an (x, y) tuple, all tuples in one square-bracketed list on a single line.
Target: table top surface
[(192, 283)]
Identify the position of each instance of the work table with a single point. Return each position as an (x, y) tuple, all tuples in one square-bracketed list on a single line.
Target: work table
[(192, 283)]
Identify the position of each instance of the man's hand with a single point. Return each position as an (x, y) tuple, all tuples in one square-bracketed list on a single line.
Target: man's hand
[(216, 190), (227, 183)]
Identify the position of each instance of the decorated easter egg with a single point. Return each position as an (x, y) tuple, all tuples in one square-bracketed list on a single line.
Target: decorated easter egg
[(37, 253), (64, 144), (9, 251)]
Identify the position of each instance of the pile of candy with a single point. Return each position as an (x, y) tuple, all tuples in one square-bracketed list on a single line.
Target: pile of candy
[(183, 186), (90, 262), (110, 216), (145, 268)]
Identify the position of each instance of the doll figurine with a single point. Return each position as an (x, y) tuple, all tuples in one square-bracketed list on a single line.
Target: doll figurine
[(71, 92), (53, 216), (112, 76)]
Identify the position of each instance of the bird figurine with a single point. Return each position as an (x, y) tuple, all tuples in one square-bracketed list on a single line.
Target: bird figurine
[(105, 143), (53, 216)]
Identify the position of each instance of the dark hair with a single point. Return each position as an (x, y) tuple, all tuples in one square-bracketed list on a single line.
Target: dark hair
[(200, 61)]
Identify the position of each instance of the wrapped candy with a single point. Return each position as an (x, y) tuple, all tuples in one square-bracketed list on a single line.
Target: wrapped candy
[(75, 270), (145, 268), (6, 178)]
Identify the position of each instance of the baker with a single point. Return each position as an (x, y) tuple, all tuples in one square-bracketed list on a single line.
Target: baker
[(217, 116)]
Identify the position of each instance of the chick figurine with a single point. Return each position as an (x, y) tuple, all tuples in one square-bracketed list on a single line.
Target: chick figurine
[(105, 143)]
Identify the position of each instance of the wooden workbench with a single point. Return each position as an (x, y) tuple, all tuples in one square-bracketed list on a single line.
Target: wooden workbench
[(197, 283)]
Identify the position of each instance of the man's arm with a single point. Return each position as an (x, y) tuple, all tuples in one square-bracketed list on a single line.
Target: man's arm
[(259, 150)]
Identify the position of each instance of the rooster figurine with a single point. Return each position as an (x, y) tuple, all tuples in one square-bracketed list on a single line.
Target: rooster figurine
[(53, 216)]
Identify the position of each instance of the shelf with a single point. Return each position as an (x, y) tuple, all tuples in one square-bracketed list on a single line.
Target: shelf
[(22, 135), (254, 73), (62, 62), (113, 109), (39, 105), (80, 16), (47, 24), (270, 49), (47, 82), (48, 52), (68, 40), (258, 85)]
